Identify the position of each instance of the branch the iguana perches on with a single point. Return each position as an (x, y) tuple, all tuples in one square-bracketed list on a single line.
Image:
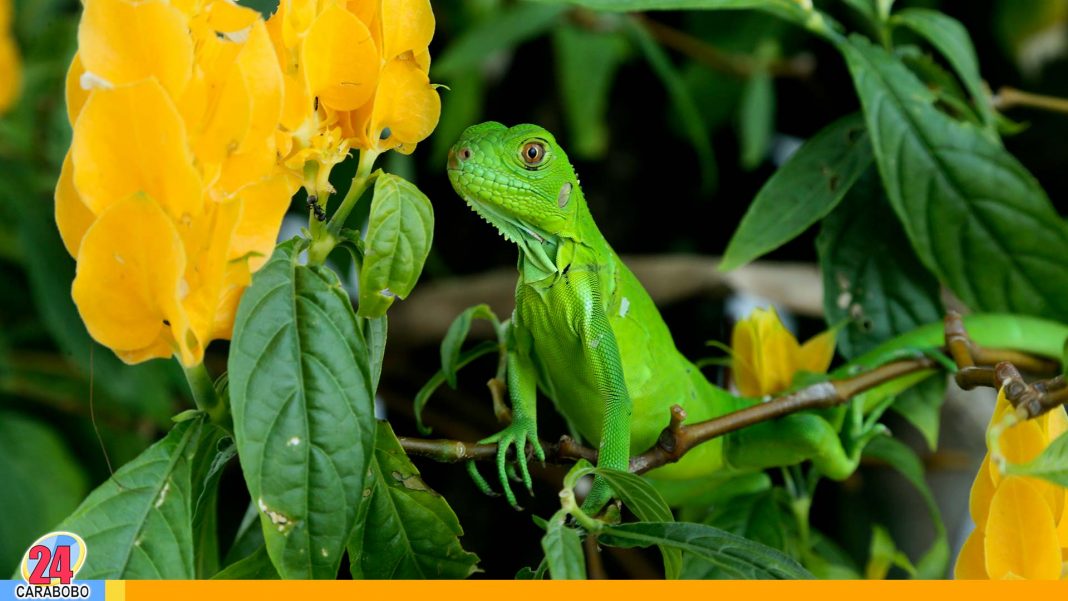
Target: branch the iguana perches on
[(977, 367)]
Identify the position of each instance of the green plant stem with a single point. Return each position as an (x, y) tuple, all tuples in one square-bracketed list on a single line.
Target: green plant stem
[(324, 239), (204, 395)]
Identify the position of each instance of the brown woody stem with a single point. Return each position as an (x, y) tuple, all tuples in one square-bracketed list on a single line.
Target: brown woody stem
[(677, 439)]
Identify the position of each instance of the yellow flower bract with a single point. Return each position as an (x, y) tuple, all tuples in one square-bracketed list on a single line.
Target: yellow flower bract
[(765, 356), (355, 77), (172, 193), (10, 64), (1021, 523), (194, 123)]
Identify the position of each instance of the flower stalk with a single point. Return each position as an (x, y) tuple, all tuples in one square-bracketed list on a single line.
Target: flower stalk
[(326, 237), (204, 393)]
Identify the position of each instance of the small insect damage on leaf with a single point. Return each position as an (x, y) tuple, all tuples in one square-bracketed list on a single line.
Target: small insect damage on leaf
[(163, 494), (412, 482), (281, 520), (831, 176)]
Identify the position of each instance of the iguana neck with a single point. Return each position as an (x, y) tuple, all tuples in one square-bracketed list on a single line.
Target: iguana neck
[(541, 262)]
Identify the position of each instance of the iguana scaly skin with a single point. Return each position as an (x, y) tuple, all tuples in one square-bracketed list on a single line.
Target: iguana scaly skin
[(587, 334)]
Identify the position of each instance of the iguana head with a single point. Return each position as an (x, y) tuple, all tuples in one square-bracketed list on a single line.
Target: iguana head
[(518, 179)]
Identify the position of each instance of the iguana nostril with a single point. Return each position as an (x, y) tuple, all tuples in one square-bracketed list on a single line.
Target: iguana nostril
[(465, 153)]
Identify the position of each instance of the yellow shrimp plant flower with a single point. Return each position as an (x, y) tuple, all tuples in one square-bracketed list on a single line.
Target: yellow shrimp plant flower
[(765, 356), (1021, 523), (10, 66), (172, 193), (355, 76)]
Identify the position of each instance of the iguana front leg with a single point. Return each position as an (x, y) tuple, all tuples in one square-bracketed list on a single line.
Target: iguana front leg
[(522, 391), (614, 450)]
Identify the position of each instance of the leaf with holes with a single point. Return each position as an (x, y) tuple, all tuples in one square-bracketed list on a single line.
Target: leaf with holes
[(300, 388), (408, 530), (874, 285)]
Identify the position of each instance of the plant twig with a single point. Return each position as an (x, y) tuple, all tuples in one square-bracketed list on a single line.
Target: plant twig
[(1008, 97), (678, 438), (594, 562), (800, 66)]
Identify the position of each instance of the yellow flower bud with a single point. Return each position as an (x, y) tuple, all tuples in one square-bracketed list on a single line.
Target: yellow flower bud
[(765, 356)]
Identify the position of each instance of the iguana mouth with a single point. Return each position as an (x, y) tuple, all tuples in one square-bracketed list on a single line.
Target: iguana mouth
[(536, 246), (512, 228)]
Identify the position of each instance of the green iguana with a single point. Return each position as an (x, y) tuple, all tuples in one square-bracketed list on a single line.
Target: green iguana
[(586, 333)]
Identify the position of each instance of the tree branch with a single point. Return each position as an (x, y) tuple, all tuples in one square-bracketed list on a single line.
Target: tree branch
[(677, 438), (1007, 98)]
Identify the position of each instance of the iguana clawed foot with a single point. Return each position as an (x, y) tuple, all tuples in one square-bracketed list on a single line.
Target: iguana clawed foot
[(519, 433)]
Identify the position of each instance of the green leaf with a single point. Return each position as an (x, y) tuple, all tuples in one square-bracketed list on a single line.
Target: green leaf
[(682, 102), (374, 332), (423, 396), (409, 531), (586, 65), (921, 406), (737, 557), (644, 501), (883, 554), (974, 215), (804, 190), (139, 524), (215, 449), (866, 8), (300, 389), (950, 38), (399, 232), (507, 29), (1051, 464), (255, 566), (452, 343), (637, 494), (33, 503), (900, 457), (563, 551), (760, 517), (756, 116), (874, 285)]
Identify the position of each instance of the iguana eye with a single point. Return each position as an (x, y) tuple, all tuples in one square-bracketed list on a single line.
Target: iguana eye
[(533, 153)]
